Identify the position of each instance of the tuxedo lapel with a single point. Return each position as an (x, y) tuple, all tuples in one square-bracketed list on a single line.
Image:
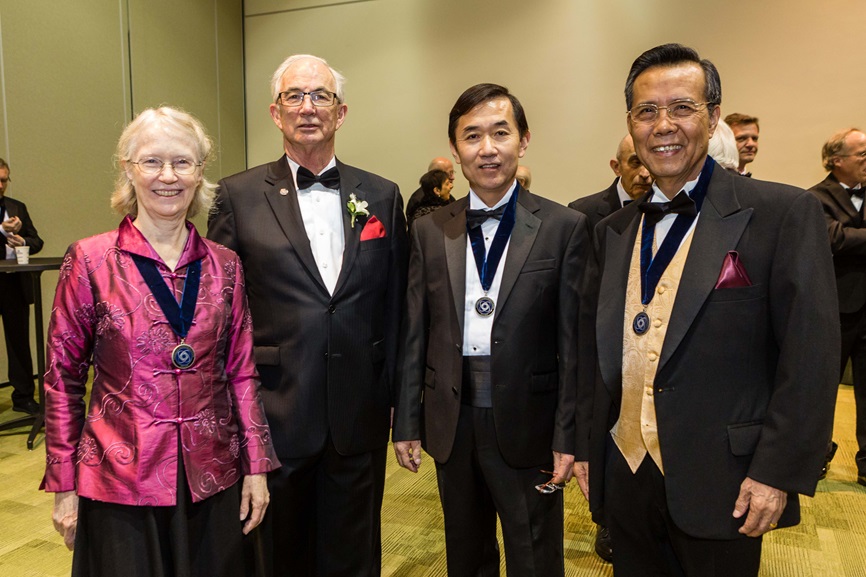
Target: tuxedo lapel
[(842, 197), (288, 214), (617, 250), (455, 254), (720, 226), (349, 184), (526, 226)]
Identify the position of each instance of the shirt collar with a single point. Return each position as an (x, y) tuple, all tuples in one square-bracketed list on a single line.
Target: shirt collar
[(659, 196), (130, 239), (623, 195), (476, 203), (294, 168)]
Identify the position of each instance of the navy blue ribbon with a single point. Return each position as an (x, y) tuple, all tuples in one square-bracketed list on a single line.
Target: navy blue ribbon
[(179, 316), (485, 262), (651, 269)]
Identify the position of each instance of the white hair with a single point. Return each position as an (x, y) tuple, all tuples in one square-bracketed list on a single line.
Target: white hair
[(723, 147), (339, 79)]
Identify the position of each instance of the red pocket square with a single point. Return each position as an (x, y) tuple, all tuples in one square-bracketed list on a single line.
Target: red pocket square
[(373, 229), (733, 274)]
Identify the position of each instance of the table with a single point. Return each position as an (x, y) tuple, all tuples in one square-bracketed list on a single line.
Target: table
[(35, 266)]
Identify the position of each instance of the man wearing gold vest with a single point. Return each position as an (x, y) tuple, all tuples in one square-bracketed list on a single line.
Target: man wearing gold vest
[(717, 340)]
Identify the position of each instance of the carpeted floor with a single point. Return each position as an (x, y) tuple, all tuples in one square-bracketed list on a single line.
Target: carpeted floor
[(831, 541)]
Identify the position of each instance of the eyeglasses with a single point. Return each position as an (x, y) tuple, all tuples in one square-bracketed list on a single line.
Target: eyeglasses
[(677, 110), (182, 166), (294, 98), (550, 487), (861, 155)]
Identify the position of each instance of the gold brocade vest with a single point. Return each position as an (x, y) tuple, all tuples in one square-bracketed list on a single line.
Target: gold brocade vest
[(636, 432)]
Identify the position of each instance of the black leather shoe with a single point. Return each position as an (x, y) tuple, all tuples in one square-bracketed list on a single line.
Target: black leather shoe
[(603, 545), (29, 406), (831, 452)]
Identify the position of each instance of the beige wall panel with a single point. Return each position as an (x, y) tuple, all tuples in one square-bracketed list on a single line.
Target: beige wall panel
[(198, 70), (793, 63)]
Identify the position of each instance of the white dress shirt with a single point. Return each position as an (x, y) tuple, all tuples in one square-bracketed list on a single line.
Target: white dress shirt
[(476, 328), (623, 195), (855, 200), (322, 211), (10, 252), (664, 225)]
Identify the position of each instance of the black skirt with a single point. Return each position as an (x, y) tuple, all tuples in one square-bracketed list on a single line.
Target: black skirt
[(187, 540)]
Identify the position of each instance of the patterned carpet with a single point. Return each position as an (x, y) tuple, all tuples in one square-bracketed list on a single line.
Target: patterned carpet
[(831, 541)]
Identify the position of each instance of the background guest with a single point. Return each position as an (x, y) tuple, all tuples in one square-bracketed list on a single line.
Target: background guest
[(723, 147), (437, 193), (438, 163), (746, 131), (146, 478), (16, 296)]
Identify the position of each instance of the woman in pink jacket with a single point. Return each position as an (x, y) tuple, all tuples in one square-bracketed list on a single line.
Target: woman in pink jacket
[(153, 477)]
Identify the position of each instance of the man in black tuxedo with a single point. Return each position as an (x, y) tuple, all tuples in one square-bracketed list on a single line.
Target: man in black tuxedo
[(708, 417), (841, 194), (438, 163), (493, 351), (631, 183), (16, 296), (324, 248)]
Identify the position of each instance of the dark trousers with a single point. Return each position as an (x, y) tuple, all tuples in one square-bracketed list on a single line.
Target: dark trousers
[(16, 328), (647, 542), (324, 517), (853, 327), (474, 485)]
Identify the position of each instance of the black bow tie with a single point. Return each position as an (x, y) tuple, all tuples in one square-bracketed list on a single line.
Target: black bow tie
[(329, 179), (858, 192), (478, 217), (655, 211)]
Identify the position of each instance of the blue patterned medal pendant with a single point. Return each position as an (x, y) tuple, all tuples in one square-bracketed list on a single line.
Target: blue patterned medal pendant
[(641, 323), (182, 357), (484, 306)]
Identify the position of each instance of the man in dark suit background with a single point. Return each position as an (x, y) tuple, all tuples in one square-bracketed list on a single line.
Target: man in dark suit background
[(492, 353), (708, 417), (841, 194), (632, 182), (16, 296), (323, 246)]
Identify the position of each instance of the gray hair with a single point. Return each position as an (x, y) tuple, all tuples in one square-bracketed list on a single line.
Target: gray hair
[(723, 147), (339, 79)]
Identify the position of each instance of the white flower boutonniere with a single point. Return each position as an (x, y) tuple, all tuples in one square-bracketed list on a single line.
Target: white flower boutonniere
[(357, 208)]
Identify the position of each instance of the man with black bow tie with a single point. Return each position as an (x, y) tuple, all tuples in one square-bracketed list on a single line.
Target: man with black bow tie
[(708, 418), (324, 247), (841, 195), (16, 296), (496, 345)]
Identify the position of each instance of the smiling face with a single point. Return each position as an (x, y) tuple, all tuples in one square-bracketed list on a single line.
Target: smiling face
[(164, 196), (488, 146), (673, 151), (307, 128)]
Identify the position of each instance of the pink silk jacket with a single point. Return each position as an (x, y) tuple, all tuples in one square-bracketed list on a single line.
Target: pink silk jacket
[(125, 449)]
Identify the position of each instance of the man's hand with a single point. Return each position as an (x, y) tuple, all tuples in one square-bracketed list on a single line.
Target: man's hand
[(12, 224), (562, 463), (408, 454), (254, 500), (14, 240), (764, 504), (581, 473), (65, 516)]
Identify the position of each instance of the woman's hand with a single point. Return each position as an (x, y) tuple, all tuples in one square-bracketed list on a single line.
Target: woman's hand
[(65, 516), (254, 500)]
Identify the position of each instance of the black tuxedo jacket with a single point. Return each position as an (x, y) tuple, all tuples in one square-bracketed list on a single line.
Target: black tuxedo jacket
[(326, 362), (599, 205), (746, 380), (31, 238), (847, 241), (537, 346)]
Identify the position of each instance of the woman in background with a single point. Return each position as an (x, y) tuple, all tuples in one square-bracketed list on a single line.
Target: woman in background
[(157, 475)]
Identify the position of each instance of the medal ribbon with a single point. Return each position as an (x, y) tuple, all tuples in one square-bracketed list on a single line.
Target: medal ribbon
[(651, 269), (488, 262), (179, 316)]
